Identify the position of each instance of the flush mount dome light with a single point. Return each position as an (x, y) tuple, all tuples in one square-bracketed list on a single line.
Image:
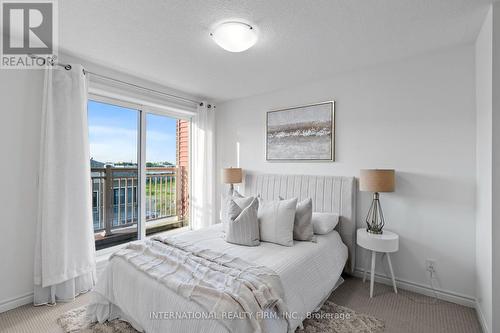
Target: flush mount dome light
[(234, 36)]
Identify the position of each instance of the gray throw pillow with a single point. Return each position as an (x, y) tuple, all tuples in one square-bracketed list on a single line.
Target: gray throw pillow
[(302, 225), (242, 224), (240, 200), (276, 219)]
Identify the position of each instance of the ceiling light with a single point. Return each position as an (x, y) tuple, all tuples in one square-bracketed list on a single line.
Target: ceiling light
[(234, 36)]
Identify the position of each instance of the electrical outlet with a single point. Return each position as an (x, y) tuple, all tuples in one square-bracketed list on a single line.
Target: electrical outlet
[(430, 265)]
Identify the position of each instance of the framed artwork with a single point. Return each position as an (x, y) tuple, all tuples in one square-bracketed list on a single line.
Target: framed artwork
[(301, 133)]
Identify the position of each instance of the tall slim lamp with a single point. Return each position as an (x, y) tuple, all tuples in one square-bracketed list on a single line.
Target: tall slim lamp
[(232, 176), (376, 181)]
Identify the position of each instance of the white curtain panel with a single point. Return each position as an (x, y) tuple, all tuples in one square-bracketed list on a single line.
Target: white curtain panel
[(203, 173), (65, 249)]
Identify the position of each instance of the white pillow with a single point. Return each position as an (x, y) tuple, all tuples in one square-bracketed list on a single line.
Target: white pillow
[(324, 223), (276, 219)]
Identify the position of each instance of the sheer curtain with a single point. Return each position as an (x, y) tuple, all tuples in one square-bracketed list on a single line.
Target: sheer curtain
[(203, 173), (65, 249)]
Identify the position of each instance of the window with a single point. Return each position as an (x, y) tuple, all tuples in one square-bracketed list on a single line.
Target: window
[(116, 143)]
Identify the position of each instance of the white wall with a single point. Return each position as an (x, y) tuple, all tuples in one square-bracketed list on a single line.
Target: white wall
[(484, 172), (488, 175), (496, 165), (417, 116), (21, 103)]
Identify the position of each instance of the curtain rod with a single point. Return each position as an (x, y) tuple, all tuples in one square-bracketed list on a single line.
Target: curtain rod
[(141, 87), (52, 62)]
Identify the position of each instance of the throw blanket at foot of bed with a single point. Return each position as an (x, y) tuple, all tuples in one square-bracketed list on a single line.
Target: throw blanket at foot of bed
[(229, 289)]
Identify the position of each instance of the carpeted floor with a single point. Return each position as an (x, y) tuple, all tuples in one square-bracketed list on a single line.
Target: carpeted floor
[(38, 319), (403, 313), (406, 312)]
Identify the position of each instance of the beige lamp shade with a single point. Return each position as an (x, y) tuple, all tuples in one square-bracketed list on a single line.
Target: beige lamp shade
[(377, 180), (231, 175)]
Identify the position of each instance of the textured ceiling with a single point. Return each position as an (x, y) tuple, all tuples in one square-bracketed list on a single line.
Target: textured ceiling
[(168, 41)]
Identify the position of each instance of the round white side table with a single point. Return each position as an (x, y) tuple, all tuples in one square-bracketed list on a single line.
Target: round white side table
[(386, 243)]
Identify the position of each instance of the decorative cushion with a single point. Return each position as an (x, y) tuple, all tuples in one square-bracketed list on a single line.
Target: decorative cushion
[(242, 224), (302, 225), (240, 200), (276, 219), (324, 223)]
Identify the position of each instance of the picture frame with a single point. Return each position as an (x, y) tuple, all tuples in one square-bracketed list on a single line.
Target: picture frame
[(301, 133)]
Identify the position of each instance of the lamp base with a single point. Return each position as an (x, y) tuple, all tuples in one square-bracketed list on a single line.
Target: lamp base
[(231, 189), (375, 232), (375, 218)]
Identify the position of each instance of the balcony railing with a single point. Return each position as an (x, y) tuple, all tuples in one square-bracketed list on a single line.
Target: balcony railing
[(115, 196)]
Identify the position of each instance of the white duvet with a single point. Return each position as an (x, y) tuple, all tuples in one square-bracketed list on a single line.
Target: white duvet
[(308, 271)]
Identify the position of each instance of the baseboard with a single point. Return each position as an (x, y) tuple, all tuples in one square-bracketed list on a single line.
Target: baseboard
[(444, 295), (16, 302), (481, 318)]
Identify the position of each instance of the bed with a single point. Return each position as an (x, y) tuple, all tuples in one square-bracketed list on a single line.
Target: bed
[(308, 271)]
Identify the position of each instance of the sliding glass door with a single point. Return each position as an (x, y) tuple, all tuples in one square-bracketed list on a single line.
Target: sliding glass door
[(139, 171)]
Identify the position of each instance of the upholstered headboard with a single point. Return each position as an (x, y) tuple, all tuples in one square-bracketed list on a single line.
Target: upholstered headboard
[(329, 194)]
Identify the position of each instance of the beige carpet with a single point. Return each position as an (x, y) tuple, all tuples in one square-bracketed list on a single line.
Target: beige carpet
[(38, 319), (400, 313), (406, 312)]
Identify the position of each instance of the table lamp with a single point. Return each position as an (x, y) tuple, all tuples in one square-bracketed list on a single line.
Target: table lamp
[(376, 180), (232, 176)]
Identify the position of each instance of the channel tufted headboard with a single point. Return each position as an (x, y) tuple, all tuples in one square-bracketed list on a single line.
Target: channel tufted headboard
[(329, 194)]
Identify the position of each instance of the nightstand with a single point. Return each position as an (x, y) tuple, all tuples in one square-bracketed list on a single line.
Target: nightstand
[(385, 243)]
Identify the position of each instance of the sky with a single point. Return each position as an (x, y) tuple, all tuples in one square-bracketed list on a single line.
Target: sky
[(113, 134)]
